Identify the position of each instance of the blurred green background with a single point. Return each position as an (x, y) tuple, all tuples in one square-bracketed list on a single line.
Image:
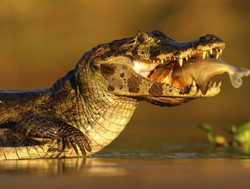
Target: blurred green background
[(41, 40)]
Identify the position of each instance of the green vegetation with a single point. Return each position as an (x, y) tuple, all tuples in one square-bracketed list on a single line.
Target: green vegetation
[(238, 137)]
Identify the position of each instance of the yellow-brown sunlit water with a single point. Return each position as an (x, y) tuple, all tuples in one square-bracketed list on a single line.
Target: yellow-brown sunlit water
[(126, 173)]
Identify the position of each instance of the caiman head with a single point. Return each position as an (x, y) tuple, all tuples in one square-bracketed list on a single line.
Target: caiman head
[(156, 68)]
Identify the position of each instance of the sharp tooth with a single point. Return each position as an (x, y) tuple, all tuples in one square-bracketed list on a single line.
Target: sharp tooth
[(219, 84), (180, 62), (208, 54), (217, 55), (194, 86), (214, 85), (211, 51), (193, 83), (162, 61), (210, 84), (186, 58), (204, 54), (220, 50)]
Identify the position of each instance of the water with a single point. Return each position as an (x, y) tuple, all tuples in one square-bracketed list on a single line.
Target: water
[(169, 166)]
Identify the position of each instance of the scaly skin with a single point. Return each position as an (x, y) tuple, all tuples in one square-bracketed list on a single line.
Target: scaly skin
[(88, 108)]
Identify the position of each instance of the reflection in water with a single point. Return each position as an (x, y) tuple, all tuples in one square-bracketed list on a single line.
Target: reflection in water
[(111, 162), (79, 166), (125, 173), (114, 161), (42, 166)]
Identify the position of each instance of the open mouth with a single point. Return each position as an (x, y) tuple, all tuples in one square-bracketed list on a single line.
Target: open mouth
[(193, 70)]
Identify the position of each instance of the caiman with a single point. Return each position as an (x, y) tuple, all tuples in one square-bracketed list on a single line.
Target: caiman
[(88, 108)]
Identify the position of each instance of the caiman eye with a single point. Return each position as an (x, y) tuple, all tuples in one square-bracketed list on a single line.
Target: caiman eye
[(143, 37)]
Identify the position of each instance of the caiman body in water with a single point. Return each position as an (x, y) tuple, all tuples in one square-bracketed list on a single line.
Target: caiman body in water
[(88, 108)]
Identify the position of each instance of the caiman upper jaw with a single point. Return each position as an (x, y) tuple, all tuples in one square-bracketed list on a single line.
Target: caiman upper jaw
[(169, 51)]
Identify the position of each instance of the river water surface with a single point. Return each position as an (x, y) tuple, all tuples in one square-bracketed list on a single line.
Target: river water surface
[(172, 166)]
